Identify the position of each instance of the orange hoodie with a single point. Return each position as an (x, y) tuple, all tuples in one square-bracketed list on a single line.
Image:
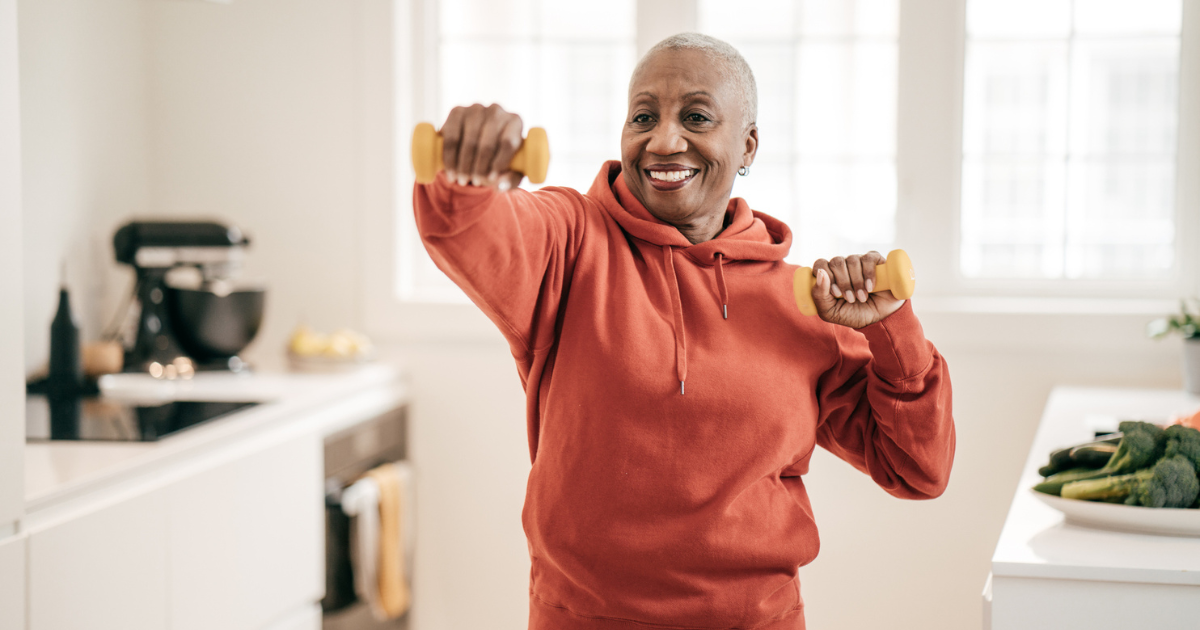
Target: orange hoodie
[(674, 398)]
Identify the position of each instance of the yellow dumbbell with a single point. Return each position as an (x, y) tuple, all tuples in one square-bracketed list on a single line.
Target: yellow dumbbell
[(532, 158), (895, 275)]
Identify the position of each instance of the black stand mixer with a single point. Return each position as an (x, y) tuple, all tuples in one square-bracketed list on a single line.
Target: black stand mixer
[(200, 322)]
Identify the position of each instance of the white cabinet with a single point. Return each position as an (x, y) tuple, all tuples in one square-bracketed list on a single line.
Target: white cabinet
[(236, 543), (102, 569), (247, 539), (12, 583)]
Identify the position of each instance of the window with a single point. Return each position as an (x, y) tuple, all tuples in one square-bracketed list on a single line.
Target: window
[(1069, 139), (1076, 116), (826, 74)]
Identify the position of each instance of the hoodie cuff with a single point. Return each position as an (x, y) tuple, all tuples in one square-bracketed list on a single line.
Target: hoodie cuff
[(898, 346), (456, 206)]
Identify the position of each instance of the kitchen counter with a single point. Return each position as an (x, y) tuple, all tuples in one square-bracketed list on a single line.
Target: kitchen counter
[(292, 403), (1043, 568)]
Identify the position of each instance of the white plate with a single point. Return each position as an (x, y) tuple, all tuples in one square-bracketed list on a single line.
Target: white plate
[(1125, 518)]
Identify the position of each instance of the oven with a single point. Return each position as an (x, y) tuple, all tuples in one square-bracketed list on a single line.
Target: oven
[(348, 455)]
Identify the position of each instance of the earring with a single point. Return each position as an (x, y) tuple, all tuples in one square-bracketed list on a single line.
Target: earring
[(744, 171)]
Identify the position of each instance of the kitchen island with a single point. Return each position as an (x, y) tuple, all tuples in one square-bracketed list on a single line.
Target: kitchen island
[(1048, 573), (218, 526)]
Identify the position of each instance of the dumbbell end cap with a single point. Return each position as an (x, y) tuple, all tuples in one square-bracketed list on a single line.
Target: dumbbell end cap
[(537, 155), (424, 152), (802, 284), (901, 275)]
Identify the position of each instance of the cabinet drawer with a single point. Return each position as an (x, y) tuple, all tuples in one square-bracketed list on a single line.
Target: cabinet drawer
[(104, 569), (246, 539)]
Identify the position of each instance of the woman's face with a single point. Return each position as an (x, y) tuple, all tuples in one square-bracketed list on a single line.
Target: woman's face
[(685, 137)]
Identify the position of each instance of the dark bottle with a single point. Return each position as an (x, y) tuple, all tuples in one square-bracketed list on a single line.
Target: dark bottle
[(66, 369), (64, 384)]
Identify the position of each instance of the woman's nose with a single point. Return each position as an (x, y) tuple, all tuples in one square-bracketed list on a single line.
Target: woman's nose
[(667, 140)]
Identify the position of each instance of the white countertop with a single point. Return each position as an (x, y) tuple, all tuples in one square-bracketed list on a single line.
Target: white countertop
[(58, 471), (1036, 543)]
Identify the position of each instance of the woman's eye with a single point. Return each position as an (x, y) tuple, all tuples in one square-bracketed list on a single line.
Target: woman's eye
[(641, 118), (696, 117)]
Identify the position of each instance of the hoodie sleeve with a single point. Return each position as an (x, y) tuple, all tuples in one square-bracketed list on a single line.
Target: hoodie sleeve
[(510, 252), (885, 406)]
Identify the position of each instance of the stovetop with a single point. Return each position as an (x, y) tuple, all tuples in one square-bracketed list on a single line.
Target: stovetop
[(99, 418)]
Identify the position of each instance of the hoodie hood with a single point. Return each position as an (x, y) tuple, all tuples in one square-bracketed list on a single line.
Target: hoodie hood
[(749, 236)]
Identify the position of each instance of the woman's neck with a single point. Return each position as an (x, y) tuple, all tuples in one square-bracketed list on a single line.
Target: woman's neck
[(704, 228)]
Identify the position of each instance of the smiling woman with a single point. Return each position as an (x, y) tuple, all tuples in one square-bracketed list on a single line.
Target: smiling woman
[(674, 393), (679, 133)]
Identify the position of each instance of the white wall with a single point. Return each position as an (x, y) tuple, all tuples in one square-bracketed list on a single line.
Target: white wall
[(255, 120), (12, 390), (85, 155)]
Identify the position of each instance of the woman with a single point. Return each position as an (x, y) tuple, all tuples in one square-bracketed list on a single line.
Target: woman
[(675, 393)]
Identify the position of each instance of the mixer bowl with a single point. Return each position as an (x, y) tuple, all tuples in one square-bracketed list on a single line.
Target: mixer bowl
[(214, 326)]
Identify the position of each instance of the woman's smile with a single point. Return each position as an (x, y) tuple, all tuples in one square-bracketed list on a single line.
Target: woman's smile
[(669, 177)]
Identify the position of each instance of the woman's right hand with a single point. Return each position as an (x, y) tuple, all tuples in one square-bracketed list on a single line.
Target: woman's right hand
[(478, 143)]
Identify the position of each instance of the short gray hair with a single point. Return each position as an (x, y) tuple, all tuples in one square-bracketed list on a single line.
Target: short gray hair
[(732, 62)]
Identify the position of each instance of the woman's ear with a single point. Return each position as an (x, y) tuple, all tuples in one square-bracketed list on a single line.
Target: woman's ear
[(751, 145)]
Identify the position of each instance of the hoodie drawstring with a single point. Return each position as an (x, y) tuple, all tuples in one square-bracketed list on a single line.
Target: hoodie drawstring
[(677, 308), (724, 293)]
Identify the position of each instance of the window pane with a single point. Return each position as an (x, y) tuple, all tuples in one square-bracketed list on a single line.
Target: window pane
[(744, 20), (1127, 98), (846, 99), (845, 207), (1015, 99), (488, 72), (1069, 142), (1012, 222), (1121, 17), (1125, 209), (849, 17), (588, 20), (512, 18), (1018, 18)]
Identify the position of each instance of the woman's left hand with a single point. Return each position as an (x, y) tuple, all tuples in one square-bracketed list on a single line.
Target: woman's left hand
[(852, 279)]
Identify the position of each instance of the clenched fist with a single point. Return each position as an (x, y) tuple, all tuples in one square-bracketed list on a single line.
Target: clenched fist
[(851, 278), (478, 143)]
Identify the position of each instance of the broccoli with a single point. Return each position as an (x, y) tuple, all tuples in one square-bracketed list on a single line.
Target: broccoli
[(1141, 445), (1171, 483), (1184, 441)]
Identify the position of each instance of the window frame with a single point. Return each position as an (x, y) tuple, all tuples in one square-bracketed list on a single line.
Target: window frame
[(931, 60)]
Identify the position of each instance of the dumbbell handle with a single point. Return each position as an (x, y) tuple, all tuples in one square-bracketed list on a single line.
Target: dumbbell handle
[(895, 275), (532, 159)]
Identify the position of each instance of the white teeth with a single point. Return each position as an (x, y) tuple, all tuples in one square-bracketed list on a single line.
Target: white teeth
[(671, 176)]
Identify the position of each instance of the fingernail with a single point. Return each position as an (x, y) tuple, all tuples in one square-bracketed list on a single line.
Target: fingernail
[(492, 177), (870, 285), (476, 180), (862, 295), (504, 185), (837, 292), (850, 297), (450, 175), (463, 179)]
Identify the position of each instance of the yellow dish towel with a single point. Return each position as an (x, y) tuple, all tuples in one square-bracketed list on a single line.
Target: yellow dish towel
[(394, 595)]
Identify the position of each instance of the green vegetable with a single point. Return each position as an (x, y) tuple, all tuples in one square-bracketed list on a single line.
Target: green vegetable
[(1185, 442), (1141, 445), (1090, 455), (1094, 455), (1171, 483)]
